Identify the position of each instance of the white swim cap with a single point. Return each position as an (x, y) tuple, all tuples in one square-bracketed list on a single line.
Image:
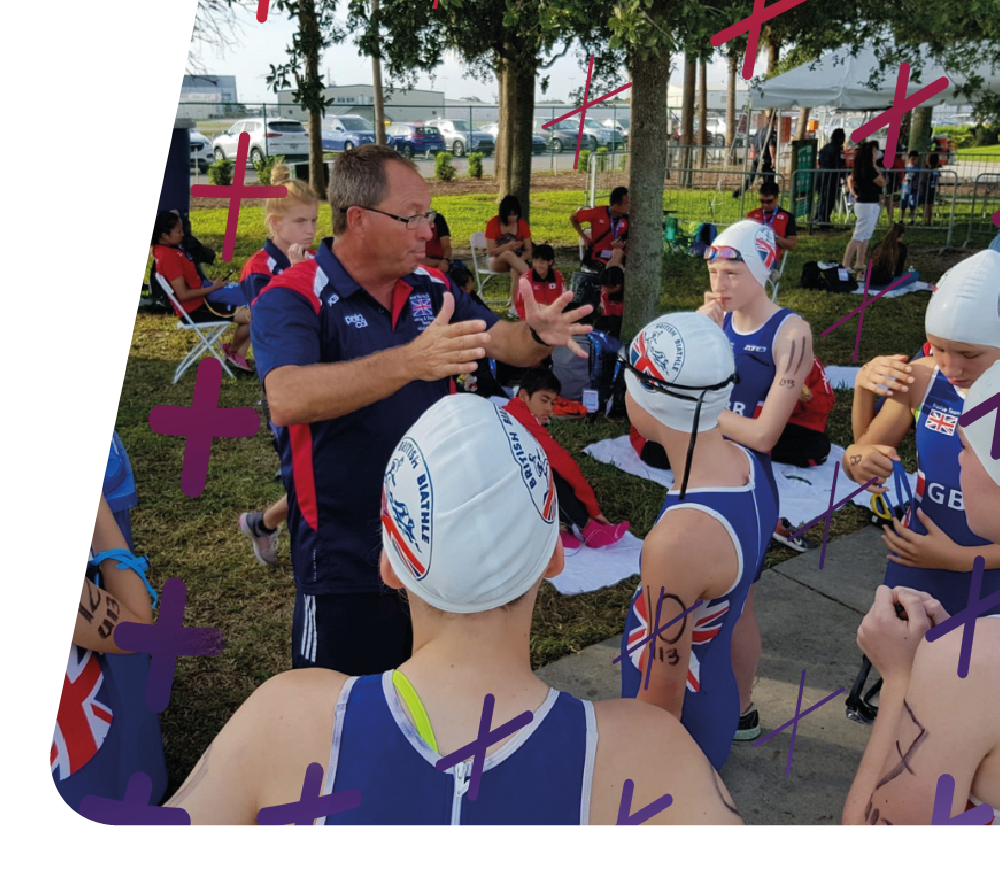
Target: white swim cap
[(688, 353), (965, 306), (469, 512), (979, 435), (756, 244)]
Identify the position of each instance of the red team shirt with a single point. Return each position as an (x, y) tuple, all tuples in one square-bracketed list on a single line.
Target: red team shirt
[(813, 415), (171, 263), (544, 292), (603, 230)]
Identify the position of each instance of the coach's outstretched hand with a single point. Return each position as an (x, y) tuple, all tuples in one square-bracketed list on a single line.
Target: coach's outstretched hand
[(445, 349), (552, 325)]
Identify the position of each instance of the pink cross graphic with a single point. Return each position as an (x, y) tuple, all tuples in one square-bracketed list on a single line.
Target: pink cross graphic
[(586, 103), (752, 25), (894, 115), (235, 192)]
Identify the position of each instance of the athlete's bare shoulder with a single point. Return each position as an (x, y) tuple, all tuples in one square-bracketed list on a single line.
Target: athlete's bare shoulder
[(650, 747)]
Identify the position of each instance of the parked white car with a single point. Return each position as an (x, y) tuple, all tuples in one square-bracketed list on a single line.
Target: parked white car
[(462, 138), (201, 151), (284, 137)]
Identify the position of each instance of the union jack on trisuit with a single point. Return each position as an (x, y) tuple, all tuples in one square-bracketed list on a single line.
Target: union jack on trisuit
[(83, 722), (942, 422), (708, 624)]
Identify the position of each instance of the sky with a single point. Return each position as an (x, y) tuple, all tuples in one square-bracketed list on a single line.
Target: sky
[(259, 45)]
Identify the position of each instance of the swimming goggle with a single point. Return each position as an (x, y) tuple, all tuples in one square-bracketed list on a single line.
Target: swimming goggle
[(722, 252), (880, 504), (652, 383)]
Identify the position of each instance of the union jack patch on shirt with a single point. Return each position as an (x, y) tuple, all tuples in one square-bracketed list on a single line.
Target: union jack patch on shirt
[(943, 422)]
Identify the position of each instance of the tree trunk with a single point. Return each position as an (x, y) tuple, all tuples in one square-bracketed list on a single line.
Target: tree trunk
[(649, 146), (731, 121), (522, 92), (379, 97), (687, 122), (773, 52), (309, 32), (702, 112), (802, 129), (502, 151), (921, 129)]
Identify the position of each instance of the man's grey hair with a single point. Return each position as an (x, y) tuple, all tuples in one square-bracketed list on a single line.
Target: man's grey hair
[(359, 178)]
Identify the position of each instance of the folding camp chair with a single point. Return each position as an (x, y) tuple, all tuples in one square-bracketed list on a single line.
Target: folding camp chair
[(478, 242), (775, 279), (208, 334)]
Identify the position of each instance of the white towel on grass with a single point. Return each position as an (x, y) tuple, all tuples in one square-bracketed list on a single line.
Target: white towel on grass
[(896, 291), (588, 569), (804, 492), (842, 378)]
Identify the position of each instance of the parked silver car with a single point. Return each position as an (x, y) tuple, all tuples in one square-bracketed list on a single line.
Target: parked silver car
[(563, 135), (538, 143), (201, 151), (461, 138), (283, 137)]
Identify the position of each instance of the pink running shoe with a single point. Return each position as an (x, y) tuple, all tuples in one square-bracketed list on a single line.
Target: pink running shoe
[(236, 360), (569, 540), (599, 535)]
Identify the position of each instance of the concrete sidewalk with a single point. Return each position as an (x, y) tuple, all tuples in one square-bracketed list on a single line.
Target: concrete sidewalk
[(808, 619)]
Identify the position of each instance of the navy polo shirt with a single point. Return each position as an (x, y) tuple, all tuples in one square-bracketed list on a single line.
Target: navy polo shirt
[(316, 313)]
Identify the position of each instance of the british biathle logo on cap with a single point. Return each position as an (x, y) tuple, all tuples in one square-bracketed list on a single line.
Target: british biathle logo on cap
[(407, 507)]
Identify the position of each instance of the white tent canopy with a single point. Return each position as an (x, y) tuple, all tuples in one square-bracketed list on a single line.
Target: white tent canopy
[(838, 80)]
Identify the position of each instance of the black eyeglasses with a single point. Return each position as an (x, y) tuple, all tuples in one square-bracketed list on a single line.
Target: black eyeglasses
[(412, 222)]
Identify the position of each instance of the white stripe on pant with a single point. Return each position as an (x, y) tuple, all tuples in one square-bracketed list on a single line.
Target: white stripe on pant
[(307, 645)]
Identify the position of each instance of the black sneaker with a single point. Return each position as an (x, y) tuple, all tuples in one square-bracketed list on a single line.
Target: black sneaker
[(783, 534), (749, 726)]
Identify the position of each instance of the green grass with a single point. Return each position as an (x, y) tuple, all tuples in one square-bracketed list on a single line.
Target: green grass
[(983, 154), (197, 539)]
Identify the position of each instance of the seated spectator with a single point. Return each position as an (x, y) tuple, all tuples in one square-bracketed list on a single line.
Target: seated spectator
[(931, 722), (544, 280), (612, 302), (437, 251), (889, 257), (175, 270), (780, 221), (578, 508), (804, 443), (607, 238), (489, 539), (104, 731), (508, 244)]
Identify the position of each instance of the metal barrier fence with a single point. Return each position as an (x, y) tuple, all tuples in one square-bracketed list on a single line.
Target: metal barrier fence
[(985, 203), (722, 194)]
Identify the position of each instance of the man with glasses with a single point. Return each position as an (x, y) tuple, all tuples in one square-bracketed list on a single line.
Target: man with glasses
[(352, 348), (770, 214)]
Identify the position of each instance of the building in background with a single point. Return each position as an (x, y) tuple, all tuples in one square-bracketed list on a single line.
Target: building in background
[(410, 105), (207, 96)]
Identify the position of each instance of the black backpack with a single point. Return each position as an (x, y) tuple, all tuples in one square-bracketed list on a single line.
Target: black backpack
[(812, 277), (586, 287)]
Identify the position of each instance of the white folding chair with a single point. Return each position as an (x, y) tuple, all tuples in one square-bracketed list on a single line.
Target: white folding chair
[(208, 334), (775, 280), (478, 242)]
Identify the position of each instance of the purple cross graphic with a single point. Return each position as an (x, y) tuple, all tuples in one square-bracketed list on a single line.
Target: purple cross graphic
[(481, 743), (980, 411), (311, 805), (639, 816), (865, 302), (894, 115), (166, 640), (751, 26), (967, 617), (134, 808), (236, 191), (587, 103), (944, 794), (829, 511), (201, 423), (795, 720)]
